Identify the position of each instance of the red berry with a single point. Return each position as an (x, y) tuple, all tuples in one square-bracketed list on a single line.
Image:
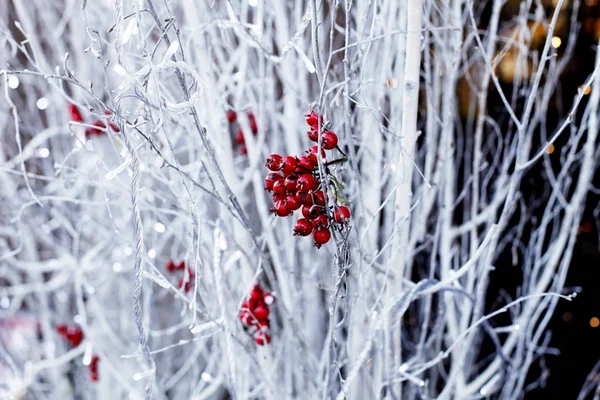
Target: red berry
[(304, 198), (320, 222), (261, 313), (247, 319), (74, 336), (274, 162), (74, 113), (291, 203), (321, 236), (170, 266), (279, 187), (256, 293), (312, 118), (303, 227), (315, 150), (289, 165), (305, 164), (306, 211), (114, 127), (62, 330), (307, 182), (271, 179), (329, 139), (261, 338), (181, 266), (319, 198), (95, 131), (244, 150), (341, 214), (231, 116), (279, 197), (313, 134), (290, 183), (252, 123), (239, 137), (280, 209)]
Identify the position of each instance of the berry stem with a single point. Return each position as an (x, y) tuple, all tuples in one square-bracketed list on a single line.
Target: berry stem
[(337, 161)]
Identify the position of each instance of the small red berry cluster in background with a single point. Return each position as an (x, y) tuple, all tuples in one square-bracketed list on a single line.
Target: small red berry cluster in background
[(239, 136), (254, 314), (74, 336), (299, 185), (180, 266), (70, 333), (76, 117)]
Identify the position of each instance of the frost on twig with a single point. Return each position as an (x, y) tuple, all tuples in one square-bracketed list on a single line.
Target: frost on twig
[(441, 113)]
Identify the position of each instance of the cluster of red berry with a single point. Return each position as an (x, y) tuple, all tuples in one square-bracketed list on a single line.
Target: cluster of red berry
[(239, 136), (180, 266), (76, 117), (74, 336), (299, 185), (254, 314)]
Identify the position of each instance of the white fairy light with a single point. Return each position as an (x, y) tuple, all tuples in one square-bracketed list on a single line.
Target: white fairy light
[(42, 103), (160, 228), (252, 3), (151, 253), (128, 251), (117, 267), (43, 152), (13, 82)]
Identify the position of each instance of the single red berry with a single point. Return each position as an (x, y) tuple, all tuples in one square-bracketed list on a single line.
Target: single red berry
[(247, 319), (252, 123), (315, 150), (319, 198), (307, 182), (304, 198), (239, 136), (341, 214), (231, 116), (271, 179), (329, 140), (279, 187), (291, 203), (261, 313), (74, 336), (320, 222), (274, 162), (262, 339), (313, 134), (290, 182), (303, 227), (244, 150), (312, 118), (289, 165), (170, 266), (312, 158), (74, 113), (95, 131), (305, 164), (114, 127), (256, 293), (306, 211), (280, 209), (279, 197), (321, 236), (181, 265)]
